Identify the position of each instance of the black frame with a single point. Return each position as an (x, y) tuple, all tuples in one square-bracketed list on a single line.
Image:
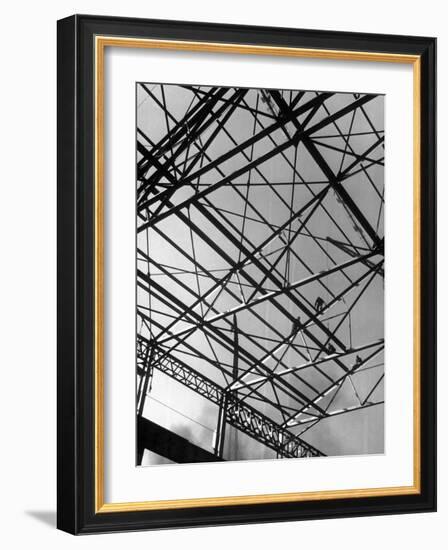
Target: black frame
[(75, 477)]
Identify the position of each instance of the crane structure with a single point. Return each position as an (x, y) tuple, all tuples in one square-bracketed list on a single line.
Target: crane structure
[(259, 272)]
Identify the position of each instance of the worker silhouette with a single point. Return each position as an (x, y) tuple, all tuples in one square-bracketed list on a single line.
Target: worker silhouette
[(319, 304), (330, 349)]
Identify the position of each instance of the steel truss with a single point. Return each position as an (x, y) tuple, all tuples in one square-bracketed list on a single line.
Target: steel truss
[(260, 256)]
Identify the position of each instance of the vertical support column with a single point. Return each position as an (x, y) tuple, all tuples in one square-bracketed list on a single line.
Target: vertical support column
[(235, 349), (221, 426), (146, 378)]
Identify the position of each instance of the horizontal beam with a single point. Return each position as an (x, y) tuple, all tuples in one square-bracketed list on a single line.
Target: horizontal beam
[(159, 440)]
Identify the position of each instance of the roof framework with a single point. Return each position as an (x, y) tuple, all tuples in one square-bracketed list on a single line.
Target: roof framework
[(260, 256)]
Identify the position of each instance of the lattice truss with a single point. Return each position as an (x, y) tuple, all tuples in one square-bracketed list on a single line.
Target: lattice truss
[(260, 265)]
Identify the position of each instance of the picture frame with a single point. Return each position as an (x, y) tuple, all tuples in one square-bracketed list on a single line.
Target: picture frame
[(82, 241)]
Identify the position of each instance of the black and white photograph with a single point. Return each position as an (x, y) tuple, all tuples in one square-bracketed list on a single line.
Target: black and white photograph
[(260, 273), (223, 275)]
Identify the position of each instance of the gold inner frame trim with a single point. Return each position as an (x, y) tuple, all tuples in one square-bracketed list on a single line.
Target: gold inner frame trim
[(101, 42)]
